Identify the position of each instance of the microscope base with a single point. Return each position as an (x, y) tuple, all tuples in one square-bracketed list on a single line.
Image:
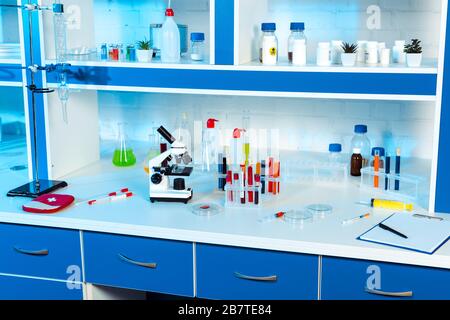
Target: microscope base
[(174, 196)]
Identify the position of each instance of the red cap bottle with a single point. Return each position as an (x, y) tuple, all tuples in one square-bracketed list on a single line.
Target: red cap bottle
[(169, 12)]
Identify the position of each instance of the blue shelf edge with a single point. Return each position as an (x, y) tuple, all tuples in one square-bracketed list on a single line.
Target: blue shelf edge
[(10, 73), (266, 81)]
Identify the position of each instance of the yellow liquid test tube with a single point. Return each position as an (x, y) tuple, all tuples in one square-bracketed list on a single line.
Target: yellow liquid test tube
[(247, 153)]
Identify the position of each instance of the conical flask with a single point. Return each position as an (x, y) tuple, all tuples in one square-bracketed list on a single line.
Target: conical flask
[(123, 154)]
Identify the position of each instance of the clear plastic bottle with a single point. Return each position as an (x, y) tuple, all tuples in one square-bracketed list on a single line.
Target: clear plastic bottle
[(335, 155), (170, 39), (297, 33), (361, 141), (268, 52), (210, 146)]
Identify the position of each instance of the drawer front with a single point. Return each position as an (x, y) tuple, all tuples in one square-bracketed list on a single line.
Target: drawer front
[(15, 288), (40, 252), (239, 273), (369, 280), (139, 263)]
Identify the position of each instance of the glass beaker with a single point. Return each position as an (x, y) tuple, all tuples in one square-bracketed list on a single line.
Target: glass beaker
[(154, 149), (123, 154)]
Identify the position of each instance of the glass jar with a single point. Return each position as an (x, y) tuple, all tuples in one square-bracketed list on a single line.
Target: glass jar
[(268, 52), (362, 142), (297, 33), (335, 155), (197, 46)]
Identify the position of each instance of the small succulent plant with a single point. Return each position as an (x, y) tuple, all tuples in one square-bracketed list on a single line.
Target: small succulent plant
[(349, 47), (143, 45), (414, 46)]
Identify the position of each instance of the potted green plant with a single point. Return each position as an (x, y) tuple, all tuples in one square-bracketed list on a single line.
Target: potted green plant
[(144, 53), (413, 52), (349, 55)]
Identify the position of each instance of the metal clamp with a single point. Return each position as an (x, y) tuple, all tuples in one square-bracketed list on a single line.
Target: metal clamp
[(136, 263), (251, 278), (390, 294), (43, 252)]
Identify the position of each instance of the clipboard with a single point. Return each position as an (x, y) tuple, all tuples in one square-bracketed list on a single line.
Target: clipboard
[(425, 235)]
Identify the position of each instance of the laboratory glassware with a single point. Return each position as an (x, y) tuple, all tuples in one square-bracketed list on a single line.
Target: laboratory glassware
[(356, 163), (269, 44), (170, 39), (206, 209), (362, 142), (154, 148), (197, 46), (372, 52), (297, 36), (336, 51), (362, 50), (123, 154), (298, 217), (335, 153), (319, 210)]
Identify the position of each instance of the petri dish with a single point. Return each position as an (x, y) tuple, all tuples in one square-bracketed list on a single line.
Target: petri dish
[(206, 209), (319, 210), (298, 217)]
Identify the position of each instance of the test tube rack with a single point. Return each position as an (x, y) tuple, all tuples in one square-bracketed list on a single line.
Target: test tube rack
[(408, 184)]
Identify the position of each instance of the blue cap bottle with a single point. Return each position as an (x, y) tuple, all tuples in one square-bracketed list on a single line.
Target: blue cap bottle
[(268, 27)]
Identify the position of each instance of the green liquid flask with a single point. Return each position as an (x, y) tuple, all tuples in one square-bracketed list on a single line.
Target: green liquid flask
[(123, 154)]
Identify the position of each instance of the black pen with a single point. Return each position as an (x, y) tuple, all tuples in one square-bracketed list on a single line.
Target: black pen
[(385, 227)]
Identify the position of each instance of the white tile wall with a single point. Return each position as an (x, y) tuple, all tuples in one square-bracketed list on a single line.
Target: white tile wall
[(347, 20), (305, 124)]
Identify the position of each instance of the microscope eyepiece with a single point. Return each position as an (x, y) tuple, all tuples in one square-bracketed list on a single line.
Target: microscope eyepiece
[(166, 134)]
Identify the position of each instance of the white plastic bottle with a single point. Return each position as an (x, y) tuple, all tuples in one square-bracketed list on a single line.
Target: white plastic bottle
[(170, 39)]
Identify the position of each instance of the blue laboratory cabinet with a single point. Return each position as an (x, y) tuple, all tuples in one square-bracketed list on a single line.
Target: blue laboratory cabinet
[(347, 279), (45, 263)]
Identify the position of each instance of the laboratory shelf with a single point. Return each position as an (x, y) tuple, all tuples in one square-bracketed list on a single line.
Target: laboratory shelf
[(384, 84), (11, 73)]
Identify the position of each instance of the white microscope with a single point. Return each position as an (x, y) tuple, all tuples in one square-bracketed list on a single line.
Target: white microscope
[(161, 188)]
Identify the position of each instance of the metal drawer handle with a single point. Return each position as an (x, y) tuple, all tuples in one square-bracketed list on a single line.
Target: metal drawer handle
[(390, 294), (32, 253), (265, 279), (136, 263)]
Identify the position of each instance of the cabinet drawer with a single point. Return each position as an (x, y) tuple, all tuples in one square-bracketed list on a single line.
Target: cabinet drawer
[(238, 273), (139, 263), (40, 252), (15, 288), (352, 279)]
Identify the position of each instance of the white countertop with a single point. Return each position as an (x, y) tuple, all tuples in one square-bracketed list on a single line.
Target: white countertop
[(233, 227)]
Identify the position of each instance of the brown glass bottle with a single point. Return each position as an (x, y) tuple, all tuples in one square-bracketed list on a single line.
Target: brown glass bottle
[(356, 163)]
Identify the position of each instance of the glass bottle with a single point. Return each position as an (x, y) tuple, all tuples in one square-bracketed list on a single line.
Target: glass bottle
[(269, 44), (297, 33), (362, 142), (335, 156), (197, 46), (356, 163), (123, 154)]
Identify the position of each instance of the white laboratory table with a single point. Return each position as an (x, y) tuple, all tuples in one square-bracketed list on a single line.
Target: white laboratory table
[(236, 228)]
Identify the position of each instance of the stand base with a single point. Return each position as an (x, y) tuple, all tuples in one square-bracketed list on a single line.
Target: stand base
[(34, 190)]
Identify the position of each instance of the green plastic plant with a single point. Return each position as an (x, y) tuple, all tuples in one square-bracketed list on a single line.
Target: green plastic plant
[(414, 46), (143, 45), (349, 47)]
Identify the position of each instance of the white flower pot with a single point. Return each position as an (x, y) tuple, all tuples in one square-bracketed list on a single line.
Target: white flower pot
[(414, 59), (144, 55), (348, 59)]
